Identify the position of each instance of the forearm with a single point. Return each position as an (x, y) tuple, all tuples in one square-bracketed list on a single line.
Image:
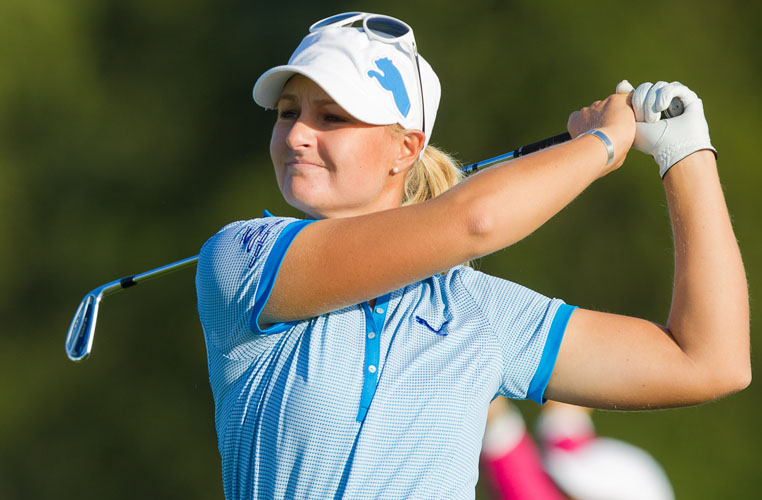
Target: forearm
[(509, 202), (709, 318)]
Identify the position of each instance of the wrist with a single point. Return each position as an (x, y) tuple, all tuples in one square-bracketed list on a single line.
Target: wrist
[(698, 163), (670, 157), (608, 149), (604, 139)]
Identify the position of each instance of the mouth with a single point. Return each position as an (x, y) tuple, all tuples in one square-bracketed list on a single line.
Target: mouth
[(303, 163)]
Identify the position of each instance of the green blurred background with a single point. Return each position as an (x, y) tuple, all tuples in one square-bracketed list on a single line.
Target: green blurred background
[(128, 136)]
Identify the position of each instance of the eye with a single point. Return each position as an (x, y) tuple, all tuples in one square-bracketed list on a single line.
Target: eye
[(334, 118), (287, 113)]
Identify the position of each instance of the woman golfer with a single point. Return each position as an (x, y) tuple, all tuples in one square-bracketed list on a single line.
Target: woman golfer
[(351, 355)]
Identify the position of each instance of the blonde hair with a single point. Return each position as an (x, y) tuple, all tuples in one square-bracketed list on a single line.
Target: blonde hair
[(433, 174)]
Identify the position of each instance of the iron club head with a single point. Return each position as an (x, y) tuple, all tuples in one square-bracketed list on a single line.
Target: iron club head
[(79, 339)]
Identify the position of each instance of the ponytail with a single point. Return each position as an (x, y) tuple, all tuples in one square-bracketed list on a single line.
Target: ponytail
[(432, 175)]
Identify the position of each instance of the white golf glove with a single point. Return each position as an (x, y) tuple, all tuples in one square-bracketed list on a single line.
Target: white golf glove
[(672, 139)]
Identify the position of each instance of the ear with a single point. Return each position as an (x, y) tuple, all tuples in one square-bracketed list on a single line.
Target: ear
[(410, 146)]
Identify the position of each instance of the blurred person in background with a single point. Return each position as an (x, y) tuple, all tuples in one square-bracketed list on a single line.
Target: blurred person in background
[(571, 461)]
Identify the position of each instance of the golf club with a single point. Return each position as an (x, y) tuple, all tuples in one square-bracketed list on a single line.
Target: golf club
[(79, 338)]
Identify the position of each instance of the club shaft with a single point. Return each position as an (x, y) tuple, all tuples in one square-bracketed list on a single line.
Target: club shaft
[(129, 281), (522, 151), (676, 108)]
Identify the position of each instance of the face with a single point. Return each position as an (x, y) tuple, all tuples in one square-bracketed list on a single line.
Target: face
[(329, 164)]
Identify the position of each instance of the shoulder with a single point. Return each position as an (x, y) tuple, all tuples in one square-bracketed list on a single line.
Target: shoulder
[(238, 252), (245, 236), (231, 268), (491, 295), (243, 232)]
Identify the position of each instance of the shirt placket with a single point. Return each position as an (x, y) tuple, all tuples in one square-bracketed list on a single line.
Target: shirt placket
[(374, 325)]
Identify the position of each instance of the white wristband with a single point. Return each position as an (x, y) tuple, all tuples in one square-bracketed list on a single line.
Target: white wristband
[(606, 142)]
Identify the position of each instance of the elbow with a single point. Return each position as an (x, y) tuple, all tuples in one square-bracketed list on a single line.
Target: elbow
[(719, 362), (741, 380), (479, 227), (734, 372), (729, 380)]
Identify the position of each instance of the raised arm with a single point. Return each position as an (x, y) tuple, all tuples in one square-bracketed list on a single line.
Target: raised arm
[(339, 262), (610, 361)]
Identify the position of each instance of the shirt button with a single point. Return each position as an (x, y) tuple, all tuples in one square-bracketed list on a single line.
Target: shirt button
[(372, 369), (372, 335), (380, 310)]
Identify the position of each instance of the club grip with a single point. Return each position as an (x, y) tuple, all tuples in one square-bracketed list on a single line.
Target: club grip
[(675, 108), (545, 143)]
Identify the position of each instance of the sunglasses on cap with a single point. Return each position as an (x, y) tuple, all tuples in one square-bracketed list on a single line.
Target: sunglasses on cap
[(385, 29)]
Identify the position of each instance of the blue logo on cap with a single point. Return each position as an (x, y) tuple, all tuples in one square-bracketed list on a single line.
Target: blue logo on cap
[(391, 80)]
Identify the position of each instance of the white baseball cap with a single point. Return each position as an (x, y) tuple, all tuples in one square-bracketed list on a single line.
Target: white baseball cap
[(375, 81)]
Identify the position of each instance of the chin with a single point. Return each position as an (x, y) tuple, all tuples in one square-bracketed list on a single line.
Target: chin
[(305, 203), (319, 204)]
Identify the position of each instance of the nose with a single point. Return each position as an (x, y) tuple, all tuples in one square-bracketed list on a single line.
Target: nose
[(301, 135)]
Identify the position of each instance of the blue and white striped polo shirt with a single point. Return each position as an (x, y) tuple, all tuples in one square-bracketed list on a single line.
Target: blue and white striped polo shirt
[(360, 403)]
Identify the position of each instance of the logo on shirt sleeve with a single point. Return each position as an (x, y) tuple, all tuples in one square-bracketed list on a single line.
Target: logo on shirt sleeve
[(252, 238)]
